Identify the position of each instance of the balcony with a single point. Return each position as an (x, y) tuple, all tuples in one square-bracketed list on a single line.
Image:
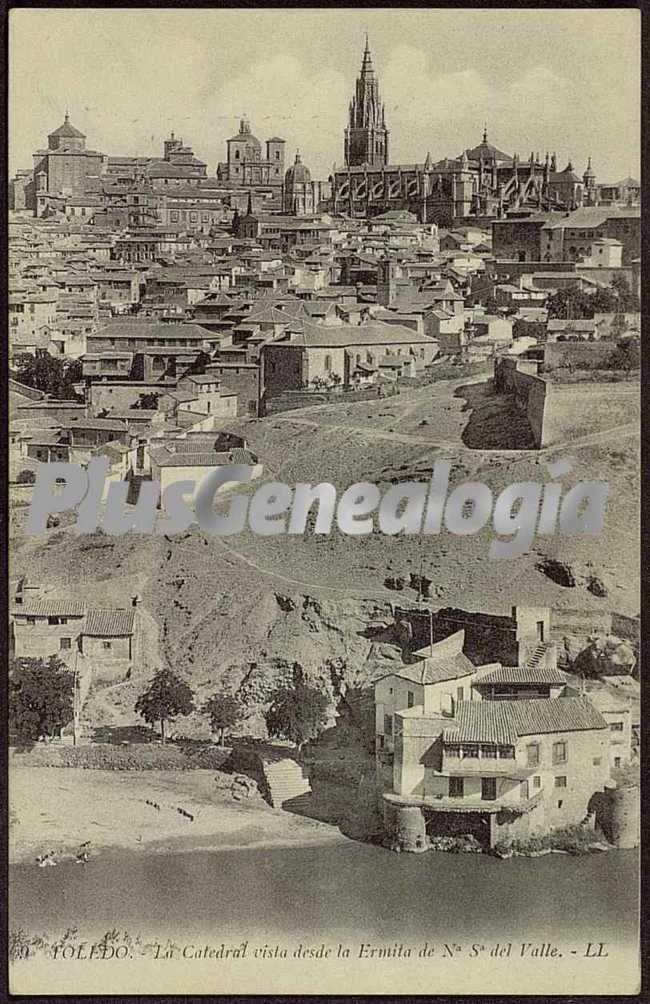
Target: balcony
[(466, 804)]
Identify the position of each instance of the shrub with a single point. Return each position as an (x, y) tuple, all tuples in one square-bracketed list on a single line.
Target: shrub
[(26, 477), (571, 839)]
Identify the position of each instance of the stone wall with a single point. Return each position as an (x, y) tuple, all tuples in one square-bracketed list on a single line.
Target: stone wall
[(529, 391), (292, 400), (577, 355), (618, 815), (488, 637)]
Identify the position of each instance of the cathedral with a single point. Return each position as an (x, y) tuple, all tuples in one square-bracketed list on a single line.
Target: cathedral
[(246, 166), (483, 182)]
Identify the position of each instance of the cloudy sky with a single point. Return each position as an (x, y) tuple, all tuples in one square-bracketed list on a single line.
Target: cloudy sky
[(560, 80)]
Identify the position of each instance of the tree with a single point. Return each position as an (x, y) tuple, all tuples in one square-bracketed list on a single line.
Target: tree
[(49, 374), (628, 302), (41, 698), (26, 477), (147, 401), (224, 711), (626, 356), (297, 712), (166, 697)]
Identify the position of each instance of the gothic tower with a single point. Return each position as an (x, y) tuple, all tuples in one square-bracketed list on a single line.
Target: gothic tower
[(366, 136)]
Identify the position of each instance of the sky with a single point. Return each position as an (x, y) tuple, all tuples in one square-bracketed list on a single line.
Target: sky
[(563, 80)]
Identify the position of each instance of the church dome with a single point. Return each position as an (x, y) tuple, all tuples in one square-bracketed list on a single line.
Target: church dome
[(67, 131), (298, 173), (246, 134)]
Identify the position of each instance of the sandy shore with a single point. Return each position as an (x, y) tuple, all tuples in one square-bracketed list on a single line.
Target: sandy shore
[(59, 809)]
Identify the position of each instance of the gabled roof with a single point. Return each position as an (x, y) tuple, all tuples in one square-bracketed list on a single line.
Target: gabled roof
[(522, 675), (503, 722), (109, 623), (51, 608)]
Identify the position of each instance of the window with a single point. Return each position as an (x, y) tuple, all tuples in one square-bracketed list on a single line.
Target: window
[(380, 742), (489, 752), (559, 752), (388, 725), (64, 643), (540, 630), (559, 804), (328, 364), (31, 620), (617, 761), (106, 644), (597, 761), (456, 787), (410, 698), (507, 752), (390, 690), (470, 751), (532, 754), (452, 749), (537, 781), (523, 791), (236, 154), (560, 782), (488, 788), (459, 694), (616, 727)]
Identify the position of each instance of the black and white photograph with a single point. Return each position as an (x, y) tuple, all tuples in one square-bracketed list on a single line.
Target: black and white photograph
[(323, 348)]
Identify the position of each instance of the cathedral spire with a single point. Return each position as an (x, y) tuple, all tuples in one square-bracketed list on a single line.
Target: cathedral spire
[(367, 68), (485, 139), (366, 137)]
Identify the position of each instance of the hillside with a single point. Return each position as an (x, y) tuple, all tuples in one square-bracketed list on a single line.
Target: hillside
[(213, 606)]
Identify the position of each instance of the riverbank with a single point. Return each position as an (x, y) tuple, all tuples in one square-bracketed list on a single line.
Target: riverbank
[(61, 809)]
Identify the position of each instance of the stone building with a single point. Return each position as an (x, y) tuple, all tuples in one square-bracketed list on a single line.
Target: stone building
[(43, 626), (493, 751), (65, 166), (246, 165), (300, 195), (482, 181)]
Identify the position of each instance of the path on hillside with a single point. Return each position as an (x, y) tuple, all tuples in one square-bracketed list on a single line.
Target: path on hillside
[(446, 444)]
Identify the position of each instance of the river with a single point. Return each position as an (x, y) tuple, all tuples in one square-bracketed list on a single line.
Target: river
[(328, 891)]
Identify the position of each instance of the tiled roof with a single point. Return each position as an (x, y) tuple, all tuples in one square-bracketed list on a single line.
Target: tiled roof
[(502, 722), (150, 329), (109, 623), (523, 674), (437, 670), (321, 336), (51, 608)]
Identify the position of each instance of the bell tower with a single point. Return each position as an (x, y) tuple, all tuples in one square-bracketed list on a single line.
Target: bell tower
[(366, 136)]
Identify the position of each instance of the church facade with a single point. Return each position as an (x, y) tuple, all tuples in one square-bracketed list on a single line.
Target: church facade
[(245, 164), (482, 182)]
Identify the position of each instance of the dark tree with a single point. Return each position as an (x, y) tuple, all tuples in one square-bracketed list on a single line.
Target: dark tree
[(41, 698), (146, 401), (166, 697), (26, 477), (298, 712), (49, 374), (626, 356), (574, 303), (224, 711)]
